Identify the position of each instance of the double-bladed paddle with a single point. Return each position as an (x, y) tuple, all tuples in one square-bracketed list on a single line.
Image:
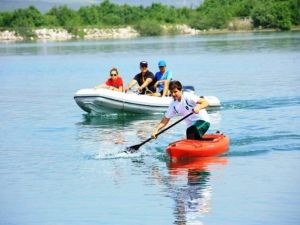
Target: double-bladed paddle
[(135, 148)]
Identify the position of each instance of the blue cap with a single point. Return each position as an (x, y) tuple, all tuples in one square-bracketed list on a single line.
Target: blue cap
[(162, 63)]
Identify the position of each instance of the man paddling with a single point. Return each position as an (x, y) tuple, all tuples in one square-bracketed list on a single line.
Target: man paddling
[(184, 103)]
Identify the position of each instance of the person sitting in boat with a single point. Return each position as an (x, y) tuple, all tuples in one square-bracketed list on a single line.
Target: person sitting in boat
[(145, 80), (182, 104), (115, 82), (162, 78)]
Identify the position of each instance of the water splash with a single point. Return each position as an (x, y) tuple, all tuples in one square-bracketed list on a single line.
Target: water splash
[(118, 155)]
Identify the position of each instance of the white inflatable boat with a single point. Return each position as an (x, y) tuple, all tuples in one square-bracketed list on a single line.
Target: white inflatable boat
[(98, 101)]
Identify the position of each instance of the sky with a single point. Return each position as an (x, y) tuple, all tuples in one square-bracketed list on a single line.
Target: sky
[(45, 5)]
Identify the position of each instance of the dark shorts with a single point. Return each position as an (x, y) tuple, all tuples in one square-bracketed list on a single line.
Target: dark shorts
[(197, 130)]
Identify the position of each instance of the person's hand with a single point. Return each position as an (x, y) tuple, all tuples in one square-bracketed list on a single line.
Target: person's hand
[(154, 134), (140, 89), (196, 110), (126, 89)]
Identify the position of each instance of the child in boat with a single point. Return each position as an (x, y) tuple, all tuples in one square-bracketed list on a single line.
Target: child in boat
[(115, 82), (162, 78), (182, 104)]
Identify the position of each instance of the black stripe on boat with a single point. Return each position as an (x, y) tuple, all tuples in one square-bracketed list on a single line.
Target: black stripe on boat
[(124, 102)]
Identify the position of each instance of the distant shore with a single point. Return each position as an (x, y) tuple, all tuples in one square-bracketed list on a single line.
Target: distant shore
[(60, 34)]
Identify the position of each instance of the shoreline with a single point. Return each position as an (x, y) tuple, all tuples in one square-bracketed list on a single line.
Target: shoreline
[(128, 32)]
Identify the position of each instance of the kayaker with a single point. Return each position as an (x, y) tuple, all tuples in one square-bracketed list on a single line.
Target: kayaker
[(145, 80), (182, 104), (162, 78), (115, 82)]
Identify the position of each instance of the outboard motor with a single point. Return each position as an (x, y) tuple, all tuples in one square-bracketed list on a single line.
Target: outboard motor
[(188, 89)]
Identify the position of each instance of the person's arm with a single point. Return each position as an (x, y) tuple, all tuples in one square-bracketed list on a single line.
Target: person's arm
[(115, 89), (166, 82), (166, 87), (161, 125), (145, 84), (101, 86), (159, 81), (120, 84), (130, 85), (120, 89), (104, 85), (201, 104)]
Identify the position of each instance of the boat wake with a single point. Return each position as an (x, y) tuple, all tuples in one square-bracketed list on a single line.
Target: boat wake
[(254, 140), (266, 103), (252, 146)]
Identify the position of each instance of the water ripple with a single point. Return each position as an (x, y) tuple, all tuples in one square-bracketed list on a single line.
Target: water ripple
[(246, 153), (249, 140), (266, 103)]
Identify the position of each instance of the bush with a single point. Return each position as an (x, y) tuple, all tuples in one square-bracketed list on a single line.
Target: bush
[(23, 21), (275, 15), (131, 14), (6, 19), (211, 14), (295, 6), (25, 32), (88, 15), (63, 16), (112, 19), (282, 16), (241, 8), (171, 30), (262, 16), (216, 18), (149, 28), (240, 24)]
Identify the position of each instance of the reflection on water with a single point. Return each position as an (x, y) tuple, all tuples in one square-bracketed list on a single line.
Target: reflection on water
[(126, 119), (188, 184), (117, 119), (113, 133)]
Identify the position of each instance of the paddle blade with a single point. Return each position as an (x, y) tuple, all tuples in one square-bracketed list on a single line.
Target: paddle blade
[(133, 148)]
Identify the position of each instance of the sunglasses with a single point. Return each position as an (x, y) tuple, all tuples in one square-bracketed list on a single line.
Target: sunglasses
[(113, 74)]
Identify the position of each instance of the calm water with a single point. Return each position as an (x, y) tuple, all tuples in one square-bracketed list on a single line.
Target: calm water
[(59, 166)]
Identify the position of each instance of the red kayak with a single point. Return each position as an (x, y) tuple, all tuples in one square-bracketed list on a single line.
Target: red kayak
[(209, 145)]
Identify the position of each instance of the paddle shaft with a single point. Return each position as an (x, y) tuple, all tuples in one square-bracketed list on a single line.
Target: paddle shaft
[(163, 130)]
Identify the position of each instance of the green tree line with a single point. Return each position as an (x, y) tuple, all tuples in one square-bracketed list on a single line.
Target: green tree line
[(277, 14)]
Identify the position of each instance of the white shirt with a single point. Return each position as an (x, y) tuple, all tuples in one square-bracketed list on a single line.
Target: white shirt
[(184, 107)]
